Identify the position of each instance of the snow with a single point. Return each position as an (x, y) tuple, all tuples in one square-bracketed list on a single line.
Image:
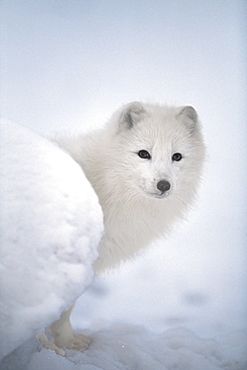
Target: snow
[(68, 66), (131, 347), (51, 224)]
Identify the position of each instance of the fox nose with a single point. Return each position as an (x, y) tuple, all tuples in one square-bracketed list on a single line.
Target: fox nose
[(163, 186)]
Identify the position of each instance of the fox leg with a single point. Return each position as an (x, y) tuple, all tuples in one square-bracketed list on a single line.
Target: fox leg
[(63, 335)]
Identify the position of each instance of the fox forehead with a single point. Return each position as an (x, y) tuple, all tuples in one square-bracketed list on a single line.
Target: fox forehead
[(159, 136)]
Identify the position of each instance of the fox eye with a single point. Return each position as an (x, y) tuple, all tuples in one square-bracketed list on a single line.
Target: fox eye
[(144, 154), (177, 157)]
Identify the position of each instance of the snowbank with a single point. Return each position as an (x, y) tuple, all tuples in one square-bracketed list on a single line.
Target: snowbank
[(51, 224)]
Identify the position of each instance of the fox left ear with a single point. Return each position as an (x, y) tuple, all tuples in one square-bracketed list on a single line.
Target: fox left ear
[(190, 116), (131, 114)]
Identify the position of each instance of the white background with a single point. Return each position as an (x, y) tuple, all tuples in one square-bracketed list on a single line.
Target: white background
[(67, 65)]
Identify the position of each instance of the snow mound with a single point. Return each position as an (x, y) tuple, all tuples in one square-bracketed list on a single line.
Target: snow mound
[(50, 227)]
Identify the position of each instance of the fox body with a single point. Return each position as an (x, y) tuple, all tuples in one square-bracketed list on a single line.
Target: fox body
[(144, 165)]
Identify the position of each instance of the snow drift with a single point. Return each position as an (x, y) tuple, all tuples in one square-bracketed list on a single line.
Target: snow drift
[(51, 224)]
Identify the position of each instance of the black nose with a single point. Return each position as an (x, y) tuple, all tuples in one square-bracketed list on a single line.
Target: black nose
[(163, 185)]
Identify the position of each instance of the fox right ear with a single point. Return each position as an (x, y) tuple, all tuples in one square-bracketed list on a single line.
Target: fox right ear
[(131, 114)]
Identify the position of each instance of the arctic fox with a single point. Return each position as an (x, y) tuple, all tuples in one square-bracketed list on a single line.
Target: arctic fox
[(145, 166)]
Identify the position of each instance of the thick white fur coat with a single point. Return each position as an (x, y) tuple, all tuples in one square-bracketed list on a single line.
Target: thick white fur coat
[(135, 210)]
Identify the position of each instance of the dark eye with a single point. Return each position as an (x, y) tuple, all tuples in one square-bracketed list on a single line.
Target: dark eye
[(177, 157), (144, 154)]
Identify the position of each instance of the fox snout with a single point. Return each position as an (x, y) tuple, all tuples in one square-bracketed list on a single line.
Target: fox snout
[(163, 186)]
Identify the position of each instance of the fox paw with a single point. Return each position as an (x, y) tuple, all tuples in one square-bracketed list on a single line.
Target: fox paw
[(76, 342)]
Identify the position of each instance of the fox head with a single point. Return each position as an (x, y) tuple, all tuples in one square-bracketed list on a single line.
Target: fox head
[(156, 150)]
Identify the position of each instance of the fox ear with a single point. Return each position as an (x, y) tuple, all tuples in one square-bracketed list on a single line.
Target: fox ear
[(131, 114), (190, 117)]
